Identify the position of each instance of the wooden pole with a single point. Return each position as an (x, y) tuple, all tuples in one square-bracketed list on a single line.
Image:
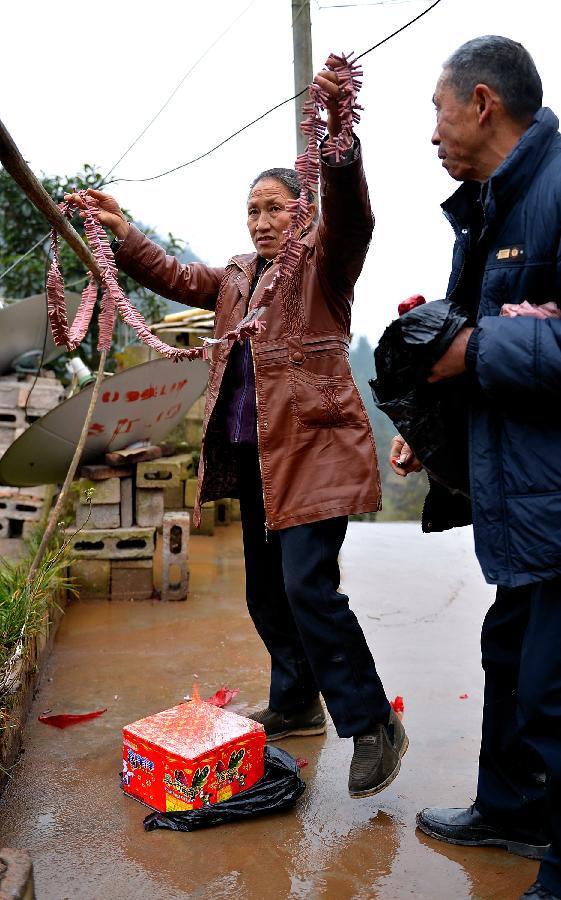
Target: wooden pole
[(14, 163), (16, 166), (303, 66)]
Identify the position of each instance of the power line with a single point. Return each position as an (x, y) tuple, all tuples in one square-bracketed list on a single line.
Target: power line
[(142, 133), (231, 136), (26, 254), (175, 90), (269, 111)]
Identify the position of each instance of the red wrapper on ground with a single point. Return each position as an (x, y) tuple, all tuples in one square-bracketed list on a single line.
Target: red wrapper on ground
[(190, 756)]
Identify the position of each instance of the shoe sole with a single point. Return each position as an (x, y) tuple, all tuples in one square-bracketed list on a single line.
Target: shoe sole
[(357, 795), (528, 851), (297, 732)]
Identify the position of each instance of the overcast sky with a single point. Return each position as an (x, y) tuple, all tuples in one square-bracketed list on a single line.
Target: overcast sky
[(80, 81)]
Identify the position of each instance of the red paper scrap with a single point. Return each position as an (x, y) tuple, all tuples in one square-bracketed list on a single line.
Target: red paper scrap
[(223, 696), (398, 706), (301, 762), (463, 696), (65, 720)]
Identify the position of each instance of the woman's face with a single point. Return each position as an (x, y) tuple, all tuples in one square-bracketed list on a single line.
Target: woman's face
[(267, 216)]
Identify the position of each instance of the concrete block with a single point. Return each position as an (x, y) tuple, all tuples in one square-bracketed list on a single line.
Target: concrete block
[(222, 512), (190, 492), (107, 491), (12, 418), (16, 879), (207, 520), (28, 529), (127, 508), (131, 579), (105, 515), (37, 492), (165, 472), (174, 496), (193, 432), (7, 438), (149, 507), (175, 556), (41, 394), (13, 548), (4, 528), (197, 410), (10, 391), (92, 578), (117, 543), (20, 508), (235, 514)]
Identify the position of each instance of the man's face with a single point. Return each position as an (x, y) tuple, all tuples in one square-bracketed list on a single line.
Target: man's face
[(458, 134)]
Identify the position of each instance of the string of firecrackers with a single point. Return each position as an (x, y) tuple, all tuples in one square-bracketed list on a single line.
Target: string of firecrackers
[(349, 75), (113, 298)]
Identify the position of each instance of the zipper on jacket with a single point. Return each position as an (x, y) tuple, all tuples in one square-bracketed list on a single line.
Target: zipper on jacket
[(465, 247), (264, 269), (259, 441), (241, 404)]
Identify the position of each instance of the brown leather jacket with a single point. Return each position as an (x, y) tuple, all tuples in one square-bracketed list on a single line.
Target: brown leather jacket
[(316, 447)]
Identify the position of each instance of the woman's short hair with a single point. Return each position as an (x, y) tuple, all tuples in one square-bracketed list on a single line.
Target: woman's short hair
[(289, 178), (505, 66)]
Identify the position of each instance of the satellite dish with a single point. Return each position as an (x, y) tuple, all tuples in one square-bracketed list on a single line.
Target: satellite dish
[(143, 403), (22, 328)]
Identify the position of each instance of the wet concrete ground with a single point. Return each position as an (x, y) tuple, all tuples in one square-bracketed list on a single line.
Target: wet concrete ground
[(420, 600)]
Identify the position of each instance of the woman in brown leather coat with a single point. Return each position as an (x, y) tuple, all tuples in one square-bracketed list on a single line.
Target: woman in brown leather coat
[(285, 430)]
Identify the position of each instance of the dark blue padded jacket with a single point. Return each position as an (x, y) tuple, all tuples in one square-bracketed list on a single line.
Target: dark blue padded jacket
[(512, 254)]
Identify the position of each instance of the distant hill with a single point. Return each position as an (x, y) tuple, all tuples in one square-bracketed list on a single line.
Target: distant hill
[(402, 498), (181, 251)]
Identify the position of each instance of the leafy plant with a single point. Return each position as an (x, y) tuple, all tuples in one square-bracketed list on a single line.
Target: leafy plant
[(25, 607), (22, 226)]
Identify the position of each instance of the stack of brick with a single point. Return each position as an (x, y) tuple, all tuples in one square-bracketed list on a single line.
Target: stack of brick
[(23, 399), (128, 547), (20, 510)]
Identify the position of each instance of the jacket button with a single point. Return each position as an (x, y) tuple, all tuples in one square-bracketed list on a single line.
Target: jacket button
[(297, 356)]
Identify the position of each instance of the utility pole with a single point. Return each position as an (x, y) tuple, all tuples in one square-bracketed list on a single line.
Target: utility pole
[(303, 71)]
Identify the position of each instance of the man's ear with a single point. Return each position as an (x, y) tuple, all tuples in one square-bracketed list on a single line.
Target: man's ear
[(485, 101)]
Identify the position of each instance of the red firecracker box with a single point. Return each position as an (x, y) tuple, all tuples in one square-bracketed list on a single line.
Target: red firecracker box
[(190, 756)]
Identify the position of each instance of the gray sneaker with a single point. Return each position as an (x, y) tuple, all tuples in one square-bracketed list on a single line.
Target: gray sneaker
[(309, 721), (377, 758)]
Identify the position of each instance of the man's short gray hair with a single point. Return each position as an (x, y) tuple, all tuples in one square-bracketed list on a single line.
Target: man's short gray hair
[(502, 64)]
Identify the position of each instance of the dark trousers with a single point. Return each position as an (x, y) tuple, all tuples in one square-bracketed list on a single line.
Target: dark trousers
[(314, 640), (521, 737)]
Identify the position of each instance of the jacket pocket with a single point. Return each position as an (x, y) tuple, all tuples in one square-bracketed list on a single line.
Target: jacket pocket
[(324, 401)]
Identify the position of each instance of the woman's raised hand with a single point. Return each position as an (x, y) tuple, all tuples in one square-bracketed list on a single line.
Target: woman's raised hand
[(329, 83), (109, 211)]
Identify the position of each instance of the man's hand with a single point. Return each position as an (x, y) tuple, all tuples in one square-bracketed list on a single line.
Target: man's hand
[(329, 83), (110, 213), (402, 459), (453, 362)]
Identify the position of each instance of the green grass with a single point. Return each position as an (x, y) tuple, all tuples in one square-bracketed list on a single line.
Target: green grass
[(25, 608)]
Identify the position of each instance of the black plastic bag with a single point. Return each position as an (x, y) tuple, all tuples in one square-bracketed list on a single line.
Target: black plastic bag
[(279, 789), (431, 417)]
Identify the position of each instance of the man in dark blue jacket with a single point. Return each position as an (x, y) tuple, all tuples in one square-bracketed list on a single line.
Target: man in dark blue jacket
[(493, 135)]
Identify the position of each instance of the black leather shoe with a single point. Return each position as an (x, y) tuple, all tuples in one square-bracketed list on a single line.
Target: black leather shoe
[(539, 892), (470, 829)]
